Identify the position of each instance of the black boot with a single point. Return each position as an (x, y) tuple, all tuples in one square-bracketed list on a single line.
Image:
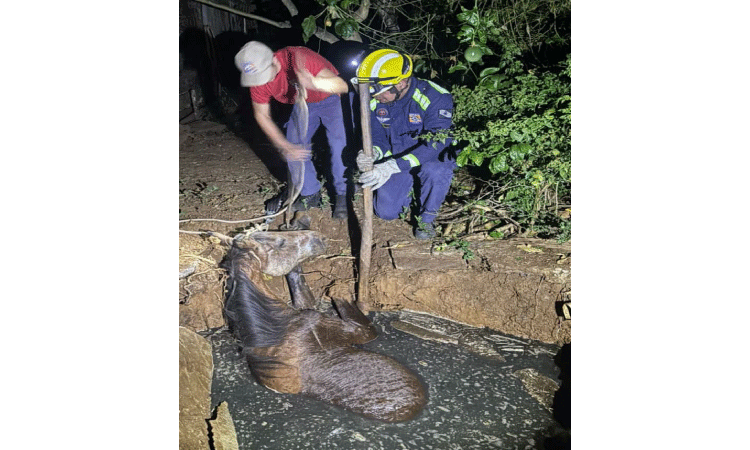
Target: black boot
[(340, 211), (303, 202), (424, 231)]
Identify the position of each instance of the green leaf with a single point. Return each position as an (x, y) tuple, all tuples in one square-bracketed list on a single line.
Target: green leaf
[(498, 164), (463, 15), (490, 71), (493, 82), (476, 158), (419, 66), (485, 50), (345, 27), (463, 157), (466, 34), (565, 171), (458, 66), (308, 27), (522, 148)]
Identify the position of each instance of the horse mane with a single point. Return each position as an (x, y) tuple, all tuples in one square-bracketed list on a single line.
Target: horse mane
[(256, 319)]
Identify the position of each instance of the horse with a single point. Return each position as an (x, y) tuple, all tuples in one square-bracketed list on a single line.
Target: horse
[(298, 350)]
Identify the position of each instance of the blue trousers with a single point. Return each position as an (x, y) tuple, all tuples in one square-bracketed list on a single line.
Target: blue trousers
[(433, 182), (328, 114)]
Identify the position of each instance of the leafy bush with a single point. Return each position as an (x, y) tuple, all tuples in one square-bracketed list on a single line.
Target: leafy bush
[(513, 122)]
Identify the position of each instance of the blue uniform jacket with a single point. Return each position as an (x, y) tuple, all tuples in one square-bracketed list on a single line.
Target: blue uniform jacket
[(396, 127)]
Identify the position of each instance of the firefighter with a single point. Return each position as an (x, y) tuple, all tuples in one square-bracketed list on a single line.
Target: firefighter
[(403, 108)]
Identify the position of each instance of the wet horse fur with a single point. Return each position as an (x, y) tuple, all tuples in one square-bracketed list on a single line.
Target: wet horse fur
[(302, 351)]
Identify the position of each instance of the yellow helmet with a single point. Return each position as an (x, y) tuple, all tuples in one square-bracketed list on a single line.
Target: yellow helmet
[(384, 69)]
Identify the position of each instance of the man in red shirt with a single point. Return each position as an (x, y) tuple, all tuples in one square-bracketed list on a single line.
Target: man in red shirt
[(278, 75)]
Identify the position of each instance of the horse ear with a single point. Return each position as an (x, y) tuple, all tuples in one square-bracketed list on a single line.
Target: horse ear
[(260, 247)]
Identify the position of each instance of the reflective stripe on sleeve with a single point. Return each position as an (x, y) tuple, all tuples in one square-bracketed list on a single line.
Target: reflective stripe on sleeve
[(438, 88), (413, 161), (421, 99)]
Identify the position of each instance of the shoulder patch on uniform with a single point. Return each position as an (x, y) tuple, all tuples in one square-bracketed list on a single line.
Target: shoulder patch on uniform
[(415, 118), (382, 115), (446, 113)]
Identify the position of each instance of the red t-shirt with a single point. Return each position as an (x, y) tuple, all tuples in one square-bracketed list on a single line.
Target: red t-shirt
[(282, 86)]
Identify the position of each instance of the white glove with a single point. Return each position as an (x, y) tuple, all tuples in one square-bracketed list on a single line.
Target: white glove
[(364, 162), (379, 174)]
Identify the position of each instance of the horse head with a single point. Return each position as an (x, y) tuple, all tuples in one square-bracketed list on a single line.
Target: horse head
[(284, 250), (277, 252)]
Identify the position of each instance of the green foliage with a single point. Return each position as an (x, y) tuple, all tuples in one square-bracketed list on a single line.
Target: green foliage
[(336, 13), (462, 246), (517, 127), (513, 118)]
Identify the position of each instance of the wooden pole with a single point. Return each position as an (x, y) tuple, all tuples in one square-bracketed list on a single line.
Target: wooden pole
[(365, 250)]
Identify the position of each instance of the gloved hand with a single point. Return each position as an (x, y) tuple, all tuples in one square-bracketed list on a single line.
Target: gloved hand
[(379, 174), (364, 162)]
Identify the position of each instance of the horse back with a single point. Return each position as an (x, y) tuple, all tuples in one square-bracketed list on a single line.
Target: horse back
[(276, 368), (367, 383)]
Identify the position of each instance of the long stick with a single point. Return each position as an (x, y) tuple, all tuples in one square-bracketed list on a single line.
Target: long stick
[(363, 292)]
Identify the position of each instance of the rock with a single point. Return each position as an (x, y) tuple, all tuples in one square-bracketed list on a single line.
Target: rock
[(538, 386), (223, 434), (196, 370)]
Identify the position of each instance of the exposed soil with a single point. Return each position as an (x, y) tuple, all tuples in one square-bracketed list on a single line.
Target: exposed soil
[(516, 286)]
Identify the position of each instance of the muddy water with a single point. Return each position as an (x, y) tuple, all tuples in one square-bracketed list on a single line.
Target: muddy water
[(478, 399)]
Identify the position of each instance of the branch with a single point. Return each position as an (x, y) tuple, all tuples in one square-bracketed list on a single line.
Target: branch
[(291, 7), (325, 36), (387, 12), (244, 14), (361, 14), (329, 37)]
